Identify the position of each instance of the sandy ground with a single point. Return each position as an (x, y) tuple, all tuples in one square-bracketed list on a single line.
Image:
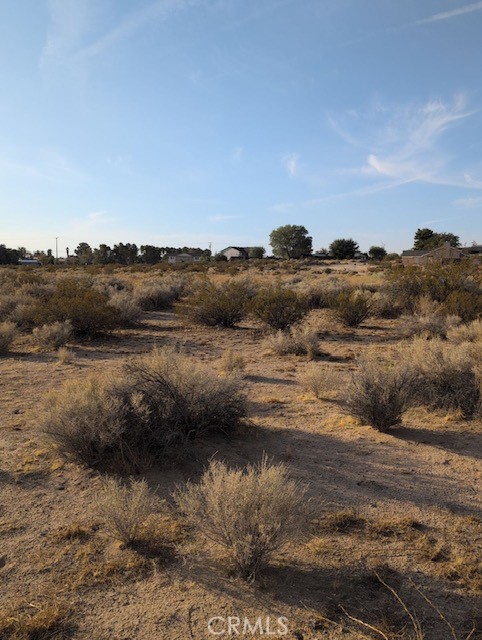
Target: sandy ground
[(413, 496)]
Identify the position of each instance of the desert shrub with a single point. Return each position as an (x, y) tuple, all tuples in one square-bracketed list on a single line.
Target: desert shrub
[(379, 394), (216, 304), (251, 512), (323, 294), (320, 380), (296, 340), (278, 307), (443, 375), (471, 332), (128, 311), (8, 331), (352, 308), (156, 295), (125, 508), (386, 305), (65, 356), (466, 304), (53, 336), (158, 405), (35, 621), (87, 309), (8, 302), (428, 325), (232, 361)]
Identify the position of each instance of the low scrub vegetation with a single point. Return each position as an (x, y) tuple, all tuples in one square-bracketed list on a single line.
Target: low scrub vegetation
[(232, 362), (319, 379), (126, 508), (213, 304), (444, 376), (296, 340), (471, 332), (351, 308), (379, 395), (251, 512), (53, 336), (278, 307), (84, 306), (8, 331), (155, 408), (157, 295)]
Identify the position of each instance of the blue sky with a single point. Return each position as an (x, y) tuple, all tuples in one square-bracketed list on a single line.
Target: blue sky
[(184, 122)]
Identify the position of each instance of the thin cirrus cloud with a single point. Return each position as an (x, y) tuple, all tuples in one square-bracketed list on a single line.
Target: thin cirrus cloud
[(92, 220), (71, 23), (290, 162), (447, 15)]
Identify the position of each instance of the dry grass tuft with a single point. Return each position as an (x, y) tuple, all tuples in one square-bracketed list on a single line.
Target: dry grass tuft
[(232, 361), (471, 332), (251, 512), (65, 356), (31, 621), (296, 341), (320, 379)]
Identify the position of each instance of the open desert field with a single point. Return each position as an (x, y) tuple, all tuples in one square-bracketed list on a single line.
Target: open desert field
[(389, 542)]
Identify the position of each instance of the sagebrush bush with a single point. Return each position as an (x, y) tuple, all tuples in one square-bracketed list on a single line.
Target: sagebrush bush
[(429, 325), (351, 308), (278, 307), (379, 394), (471, 332), (386, 305), (319, 379), (296, 340), (53, 336), (251, 512), (213, 304), (443, 375), (466, 304), (128, 311), (323, 294), (159, 404), (8, 331), (125, 508), (157, 295), (65, 356), (87, 308)]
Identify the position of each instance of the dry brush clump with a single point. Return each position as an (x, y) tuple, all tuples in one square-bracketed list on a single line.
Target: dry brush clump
[(156, 407), (128, 311), (379, 394), (212, 304), (157, 295), (251, 512), (232, 362), (125, 508), (8, 332), (296, 341), (471, 332), (320, 379), (278, 307), (444, 376), (351, 308), (53, 336)]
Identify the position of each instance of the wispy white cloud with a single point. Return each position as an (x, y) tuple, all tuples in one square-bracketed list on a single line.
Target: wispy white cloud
[(447, 15), (91, 221), (44, 164), (469, 202), (290, 163), (407, 148), (69, 20)]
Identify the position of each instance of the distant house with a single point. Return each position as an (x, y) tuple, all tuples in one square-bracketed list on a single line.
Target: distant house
[(444, 253), (175, 258), (235, 253), (32, 262)]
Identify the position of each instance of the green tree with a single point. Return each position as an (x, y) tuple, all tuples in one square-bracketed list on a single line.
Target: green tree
[(290, 241), (377, 253), (428, 239), (84, 253), (102, 255), (151, 254), (343, 248), (256, 252)]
